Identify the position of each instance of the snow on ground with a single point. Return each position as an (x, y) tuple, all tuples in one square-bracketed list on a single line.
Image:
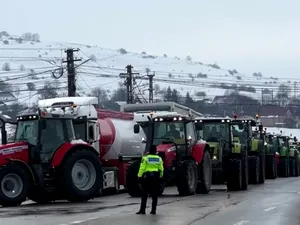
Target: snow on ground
[(41, 59), (285, 131)]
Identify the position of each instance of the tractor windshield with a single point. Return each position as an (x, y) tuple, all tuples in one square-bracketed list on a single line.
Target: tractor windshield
[(240, 133), (27, 131), (213, 132), (169, 130)]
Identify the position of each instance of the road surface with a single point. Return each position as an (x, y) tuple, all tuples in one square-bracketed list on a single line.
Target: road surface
[(277, 202)]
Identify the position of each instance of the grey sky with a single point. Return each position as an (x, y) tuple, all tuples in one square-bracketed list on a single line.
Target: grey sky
[(256, 35)]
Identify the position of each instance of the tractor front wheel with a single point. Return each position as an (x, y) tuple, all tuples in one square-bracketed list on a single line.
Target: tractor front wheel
[(234, 174), (132, 185), (14, 184), (187, 177), (271, 167), (283, 166), (82, 176), (204, 174)]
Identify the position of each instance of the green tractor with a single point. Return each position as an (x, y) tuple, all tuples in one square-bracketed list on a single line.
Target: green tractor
[(271, 155), (288, 157), (242, 132), (269, 145), (229, 158)]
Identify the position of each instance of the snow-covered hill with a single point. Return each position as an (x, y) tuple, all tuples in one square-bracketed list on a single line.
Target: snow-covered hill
[(24, 62)]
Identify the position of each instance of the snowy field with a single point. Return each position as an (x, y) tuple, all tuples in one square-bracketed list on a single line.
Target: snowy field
[(37, 62)]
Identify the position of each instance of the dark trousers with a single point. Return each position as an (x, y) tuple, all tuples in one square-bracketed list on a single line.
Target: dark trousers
[(150, 186)]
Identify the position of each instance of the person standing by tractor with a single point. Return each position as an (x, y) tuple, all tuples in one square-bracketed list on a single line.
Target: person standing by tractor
[(150, 175)]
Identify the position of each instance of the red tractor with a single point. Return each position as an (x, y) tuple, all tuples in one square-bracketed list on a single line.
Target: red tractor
[(47, 162), (187, 161)]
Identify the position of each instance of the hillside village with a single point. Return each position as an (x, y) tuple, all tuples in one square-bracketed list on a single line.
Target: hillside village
[(32, 69)]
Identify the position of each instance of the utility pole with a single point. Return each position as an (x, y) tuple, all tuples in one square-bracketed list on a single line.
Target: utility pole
[(151, 89), (71, 71), (129, 83)]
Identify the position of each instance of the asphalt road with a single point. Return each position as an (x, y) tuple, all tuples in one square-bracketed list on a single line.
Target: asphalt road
[(277, 202)]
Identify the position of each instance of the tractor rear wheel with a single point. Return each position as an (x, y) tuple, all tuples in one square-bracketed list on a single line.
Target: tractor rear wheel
[(234, 175), (132, 184), (254, 165), (81, 176), (297, 169), (283, 167), (271, 167), (245, 169), (204, 174), (292, 166), (187, 177), (14, 184), (262, 168)]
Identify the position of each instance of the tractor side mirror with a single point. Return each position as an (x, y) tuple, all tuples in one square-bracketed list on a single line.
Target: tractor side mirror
[(136, 128), (260, 127), (43, 124)]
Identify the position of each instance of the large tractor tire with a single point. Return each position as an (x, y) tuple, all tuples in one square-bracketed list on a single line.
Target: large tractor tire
[(81, 176), (14, 185), (283, 167), (292, 166), (271, 167), (245, 169), (262, 168), (187, 177), (204, 174), (254, 165), (132, 184), (234, 175), (297, 165)]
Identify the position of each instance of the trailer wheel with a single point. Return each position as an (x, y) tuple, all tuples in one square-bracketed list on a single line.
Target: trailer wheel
[(14, 184), (271, 167), (254, 166), (292, 167), (132, 185), (283, 167), (82, 176), (187, 177), (234, 175), (204, 174)]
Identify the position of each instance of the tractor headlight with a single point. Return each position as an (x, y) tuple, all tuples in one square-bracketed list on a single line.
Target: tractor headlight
[(172, 149), (214, 157)]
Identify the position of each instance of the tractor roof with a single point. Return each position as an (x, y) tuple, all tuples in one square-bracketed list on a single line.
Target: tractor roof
[(213, 120)]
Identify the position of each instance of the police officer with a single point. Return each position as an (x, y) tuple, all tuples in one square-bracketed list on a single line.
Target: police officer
[(150, 176)]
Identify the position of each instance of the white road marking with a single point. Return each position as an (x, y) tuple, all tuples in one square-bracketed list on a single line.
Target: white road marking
[(269, 209), (75, 222), (242, 222)]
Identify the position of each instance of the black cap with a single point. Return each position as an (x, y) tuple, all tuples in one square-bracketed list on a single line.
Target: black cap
[(152, 149)]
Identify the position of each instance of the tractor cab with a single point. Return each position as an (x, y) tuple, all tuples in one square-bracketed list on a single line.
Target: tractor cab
[(218, 134), (172, 134), (44, 132)]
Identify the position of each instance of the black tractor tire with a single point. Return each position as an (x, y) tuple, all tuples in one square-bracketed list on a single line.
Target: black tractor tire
[(245, 169), (234, 175), (10, 175), (90, 167), (132, 184), (292, 167), (254, 166), (262, 168), (187, 177), (204, 174), (297, 166), (283, 167), (271, 167), (217, 177)]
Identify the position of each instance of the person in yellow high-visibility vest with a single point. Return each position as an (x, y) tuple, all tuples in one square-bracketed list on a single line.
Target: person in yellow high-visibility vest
[(150, 175)]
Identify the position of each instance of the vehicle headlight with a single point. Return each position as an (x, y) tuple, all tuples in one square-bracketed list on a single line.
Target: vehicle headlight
[(172, 149)]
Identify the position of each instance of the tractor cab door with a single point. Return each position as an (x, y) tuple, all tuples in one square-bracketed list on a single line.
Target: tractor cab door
[(94, 134), (191, 137)]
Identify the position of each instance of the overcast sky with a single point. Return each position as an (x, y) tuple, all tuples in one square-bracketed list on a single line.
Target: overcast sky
[(248, 35)]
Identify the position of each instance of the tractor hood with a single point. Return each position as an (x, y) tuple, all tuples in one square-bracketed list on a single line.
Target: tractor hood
[(167, 152), (14, 151)]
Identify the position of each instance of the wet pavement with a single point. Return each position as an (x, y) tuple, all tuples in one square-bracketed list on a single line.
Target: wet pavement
[(277, 202)]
